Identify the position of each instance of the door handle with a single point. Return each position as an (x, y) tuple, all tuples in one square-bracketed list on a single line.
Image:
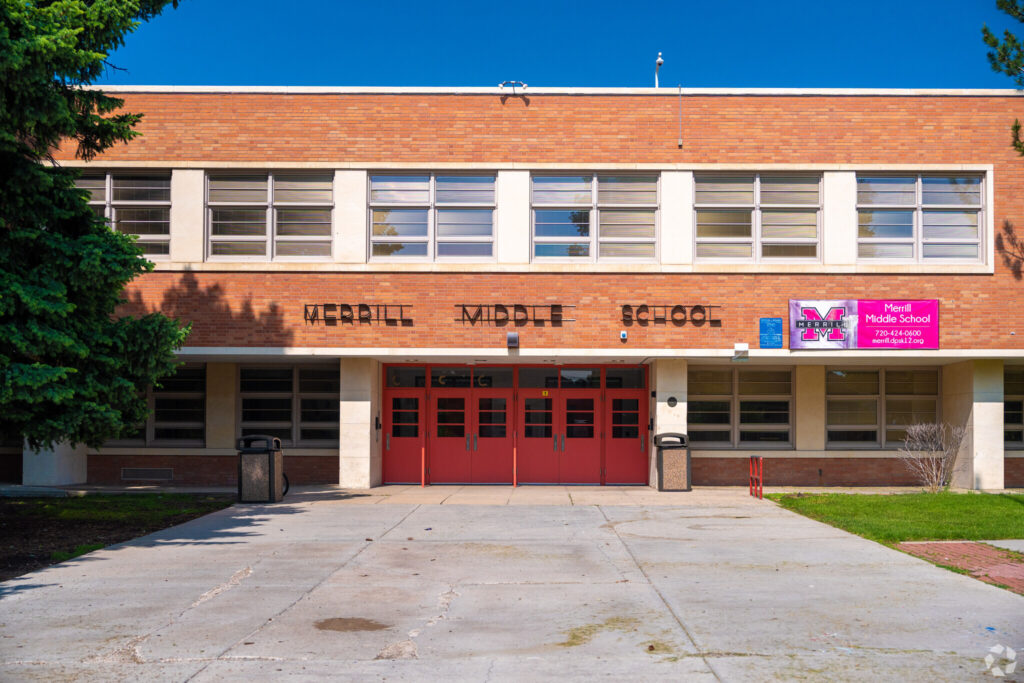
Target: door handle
[(641, 442), (563, 442), (476, 446), (467, 442), (556, 442), (387, 442)]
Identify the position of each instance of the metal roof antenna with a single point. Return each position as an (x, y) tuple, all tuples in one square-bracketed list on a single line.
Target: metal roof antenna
[(657, 65)]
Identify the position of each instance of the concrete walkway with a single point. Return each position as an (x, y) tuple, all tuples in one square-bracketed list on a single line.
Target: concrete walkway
[(715, 586)]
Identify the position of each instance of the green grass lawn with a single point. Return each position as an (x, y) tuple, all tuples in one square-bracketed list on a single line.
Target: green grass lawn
[(891, 519)]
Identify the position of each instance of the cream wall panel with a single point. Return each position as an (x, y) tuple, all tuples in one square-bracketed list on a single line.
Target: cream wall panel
[(668, 380), (972, 396), (351, 232), (839, 218), (188, 215), (58, 466), (677, 217), (809, 407), (512, 218), (359, 449), (221, 405)]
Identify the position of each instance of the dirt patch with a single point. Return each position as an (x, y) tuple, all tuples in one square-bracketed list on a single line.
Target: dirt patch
[(581, 635), (38, 532), (1000, 567), (346, 624)]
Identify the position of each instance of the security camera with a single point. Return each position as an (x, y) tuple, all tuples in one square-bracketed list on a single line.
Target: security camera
[(623, 336), (659, 61)]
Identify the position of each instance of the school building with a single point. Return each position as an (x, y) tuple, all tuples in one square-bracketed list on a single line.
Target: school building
[(508, 285)]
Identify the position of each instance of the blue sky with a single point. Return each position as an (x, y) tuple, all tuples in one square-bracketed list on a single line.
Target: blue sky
[(713, 43)]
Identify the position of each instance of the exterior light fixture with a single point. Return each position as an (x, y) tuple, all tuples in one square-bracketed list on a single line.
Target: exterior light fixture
[(512, 340)]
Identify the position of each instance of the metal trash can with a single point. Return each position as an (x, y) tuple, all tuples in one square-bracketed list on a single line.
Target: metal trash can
[(673, 461), (260, 469)]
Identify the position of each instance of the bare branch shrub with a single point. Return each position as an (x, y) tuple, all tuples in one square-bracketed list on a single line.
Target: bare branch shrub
[(929, 452)]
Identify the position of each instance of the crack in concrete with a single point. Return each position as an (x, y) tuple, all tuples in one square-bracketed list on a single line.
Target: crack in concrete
[(235, 579)]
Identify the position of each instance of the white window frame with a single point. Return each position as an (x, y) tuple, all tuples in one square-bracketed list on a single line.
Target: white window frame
[(269, 237), (110, 207), (734, 399), (295, 396), (594, 239), (756, 211), (432, 207), (881, 398), (149, 431), (1012, 427), (917, 210)]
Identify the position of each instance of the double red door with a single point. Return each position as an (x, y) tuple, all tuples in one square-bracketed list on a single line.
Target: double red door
[(561, 436), (471, 436)]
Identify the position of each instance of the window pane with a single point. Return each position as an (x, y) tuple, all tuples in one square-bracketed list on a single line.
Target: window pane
[(303, 222), (465, 223), (711, 436), (266, 380), (141, 188), (310, 189), (581, 378), (399, 249), (179, 410), (909, 411), (852, 382), (951, 190), (319, 410), (155, 248), (95, 184), (624, 378), (238, 222), (886, 224), (399, 222), (764, 412), (891, 251), (962, 251), (238, 248), (626, 250), (1013, 413), (319, 380), (886, 190), (493, 377), (764, 436), (302, 248), (712, 250), (717, 224), (725, 189), (465, 189), (561, 190), (764, 382), (569, 223), (561, 250), (912, 382), (626, 224), (1013, 381), (789, 250), (187, 379), (777, 225), (406, 377), (789, 190), (710, 382), (400, 189), (241, 189), (266, 409), (853, 435), (450, 377), (852, 412), (708, 412), (538, 378), (480, 249), (143, 221), (627, 189), (951, 225)]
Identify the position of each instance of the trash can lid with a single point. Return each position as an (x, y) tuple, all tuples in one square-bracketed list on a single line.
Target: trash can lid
[(671, 439), (259, 442)]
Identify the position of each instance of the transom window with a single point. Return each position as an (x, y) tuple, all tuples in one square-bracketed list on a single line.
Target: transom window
[(730, 408), (299, 405), (274, 216), (432, 216), (757, 217), (1013, 407), (134, 204), (873, 408), (177, 411), (917, 218), (588, 218)]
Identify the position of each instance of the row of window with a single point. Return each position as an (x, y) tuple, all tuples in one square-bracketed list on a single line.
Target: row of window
[(754, 217)]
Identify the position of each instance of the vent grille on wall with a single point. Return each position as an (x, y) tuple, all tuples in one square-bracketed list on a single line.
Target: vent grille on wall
[(147, 473)]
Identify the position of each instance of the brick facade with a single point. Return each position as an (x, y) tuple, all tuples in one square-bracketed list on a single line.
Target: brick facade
[(207, 470), (782, 471)]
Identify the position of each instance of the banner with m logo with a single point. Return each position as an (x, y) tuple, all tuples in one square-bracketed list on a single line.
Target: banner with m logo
[(823, 324)]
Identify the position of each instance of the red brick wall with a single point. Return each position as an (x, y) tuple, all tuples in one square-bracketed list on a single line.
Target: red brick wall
[(783, 471), (1013, 473), (207, 470)]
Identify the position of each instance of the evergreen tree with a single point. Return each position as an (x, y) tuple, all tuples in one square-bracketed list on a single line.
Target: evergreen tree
[(1007, 56), (70, 370)]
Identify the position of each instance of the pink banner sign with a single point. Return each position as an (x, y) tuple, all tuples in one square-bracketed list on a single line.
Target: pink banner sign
[(887, 324)]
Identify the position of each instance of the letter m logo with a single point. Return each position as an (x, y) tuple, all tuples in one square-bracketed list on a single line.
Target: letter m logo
[(832, 327)]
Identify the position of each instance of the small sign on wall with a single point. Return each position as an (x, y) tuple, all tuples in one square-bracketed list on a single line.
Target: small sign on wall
[(771, 333)]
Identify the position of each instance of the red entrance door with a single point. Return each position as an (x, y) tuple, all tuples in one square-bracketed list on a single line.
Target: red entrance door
[(538, 443), (492, 425), (626, 440), (404, 436), (580, 439), (451, 426)]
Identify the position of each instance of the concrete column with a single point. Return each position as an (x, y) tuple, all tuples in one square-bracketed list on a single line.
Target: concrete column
[(57, 466), (360, 464), (188, 215), (809, 407), (351, 232), (668, 381), (512, 219), (972, 396), (839, 218), (221, 405), (676, 217)]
